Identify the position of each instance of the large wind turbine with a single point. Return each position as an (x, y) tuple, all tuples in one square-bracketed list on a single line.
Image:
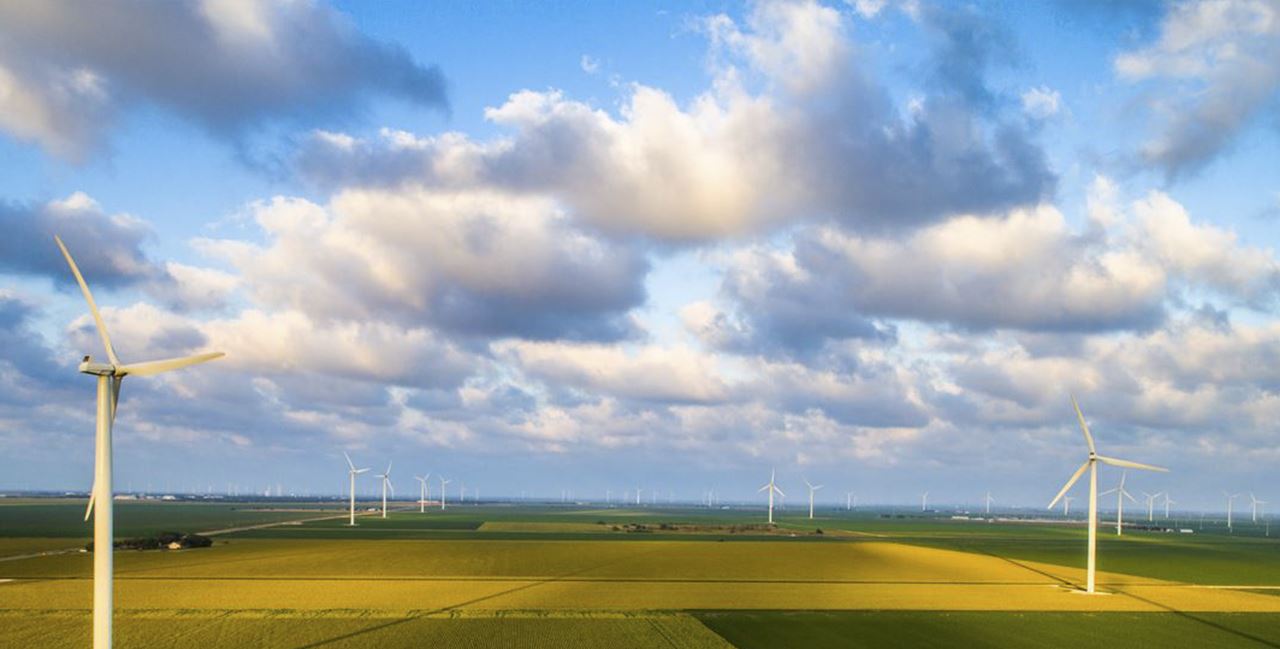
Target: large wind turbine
[(1255, 502), (386, 482), (1121, 494), (773, 488), (443, 482), (110, 376), (422, 492), (812, 488), (352, 472), (1091, 465)]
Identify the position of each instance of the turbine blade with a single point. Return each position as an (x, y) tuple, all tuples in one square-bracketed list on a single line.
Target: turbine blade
[(93, 306), (93, 495), (764, 487), (358, 471), (775, 488), (349, 462), (115, 398), (1075, 476), (1130, 497), (1109, 491), (155, 367), (1083, 426), (1132, 465)]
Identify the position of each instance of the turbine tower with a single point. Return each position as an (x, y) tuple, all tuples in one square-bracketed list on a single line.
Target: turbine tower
[(924, 502), (443, 482), (988, 500), (422, 492), (1121, 494), (1066, 506), (1091, 465), (386, 482), (848, 501), (1167, 501), (1231, 498), (812, 488), (352, 472), (773, 488), (110, 376)]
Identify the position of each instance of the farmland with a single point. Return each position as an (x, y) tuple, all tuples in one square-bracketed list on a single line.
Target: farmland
[(555, 576)]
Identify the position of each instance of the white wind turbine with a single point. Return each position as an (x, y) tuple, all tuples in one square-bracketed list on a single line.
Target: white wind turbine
[(773, 488), (848, 501), (1066, 506), (443, 482), (1121, 494), (812, 488), (924, 502), (988, 500), (1255, 502), (423, 491), (1091, 465), (1151, 504), (110, 376), (386, 482), (352, 472), (1167, 501)]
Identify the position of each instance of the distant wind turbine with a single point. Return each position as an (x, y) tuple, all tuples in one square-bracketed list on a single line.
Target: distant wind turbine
[(1151, 504), (1091, 465), (1167, 501), (848, 501), (1255, 502), (423, 490), (924, 502), (386, 483), (1121, 494), (812, 489), (352, 472), (443, 493), (1231, 498), (110, 376), (772, 487), (988, 500), (1066, 506)]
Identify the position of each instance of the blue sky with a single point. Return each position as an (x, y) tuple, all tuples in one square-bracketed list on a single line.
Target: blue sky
[(591, 246)]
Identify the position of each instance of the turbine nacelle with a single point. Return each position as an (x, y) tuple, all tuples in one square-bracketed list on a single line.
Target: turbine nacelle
[(87, 366)]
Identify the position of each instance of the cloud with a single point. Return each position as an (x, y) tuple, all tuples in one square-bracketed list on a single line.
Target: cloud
[(1041, 102), (1218, 62), (478, 264), (67, 70), (667, 375), (1027, 270), (589, 64), (106, 247), (792, 127)]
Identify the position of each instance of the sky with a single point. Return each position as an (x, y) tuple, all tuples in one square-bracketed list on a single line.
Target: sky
[(587, 246)]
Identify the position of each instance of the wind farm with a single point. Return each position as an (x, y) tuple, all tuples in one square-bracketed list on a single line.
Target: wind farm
[(587, 272)]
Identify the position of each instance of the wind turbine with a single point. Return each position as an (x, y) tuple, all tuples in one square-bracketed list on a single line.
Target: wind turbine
[(1121, 494), (1231, 498), (110, 376), (1151, 504), (1066, 506), (443, 482), (1091, 465), (638, 490), (812, 488), (1167, 501), (386, 482), (422, 492), (924, 502), (352, 472), (848, 501), (773, 488), (1255, 502), (988, 500)]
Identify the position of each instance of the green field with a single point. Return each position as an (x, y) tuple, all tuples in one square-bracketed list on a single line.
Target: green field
[(564, 576)]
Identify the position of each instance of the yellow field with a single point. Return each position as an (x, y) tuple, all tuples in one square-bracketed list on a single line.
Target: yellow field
[(434, 577)]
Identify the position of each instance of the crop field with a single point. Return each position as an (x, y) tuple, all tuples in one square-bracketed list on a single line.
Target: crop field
[(541, 576)]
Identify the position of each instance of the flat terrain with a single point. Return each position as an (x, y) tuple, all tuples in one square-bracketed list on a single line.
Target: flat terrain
[(529, 576)]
